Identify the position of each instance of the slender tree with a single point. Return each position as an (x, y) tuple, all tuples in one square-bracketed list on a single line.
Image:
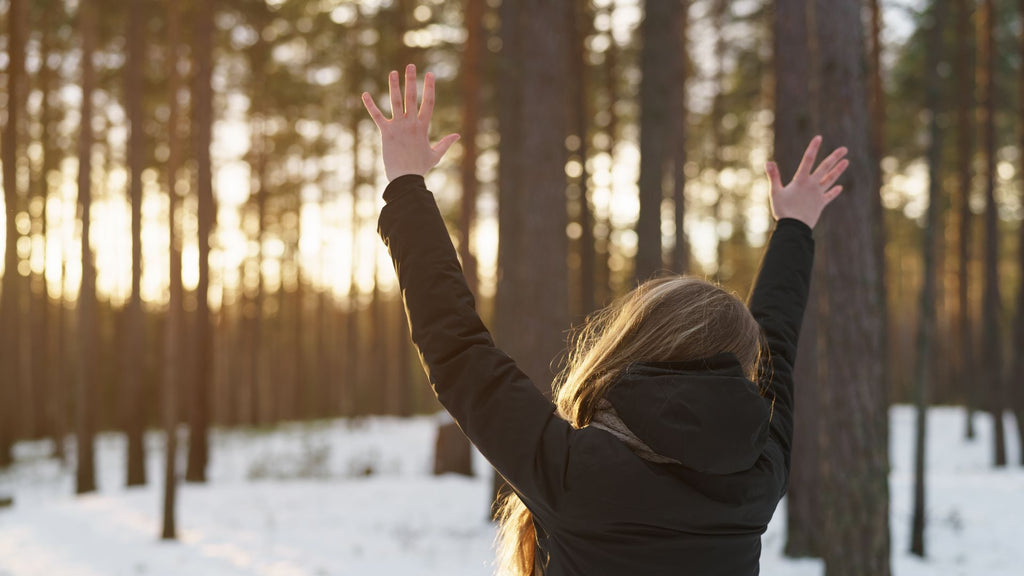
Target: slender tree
[(10, 346), (795, 123), (992, 358), (133, 405), (580, 23), (470, 76), (173, 329), (965, 150), (680, 110), (1017, 383), (855, 439), (660, 32), (926, 331), (85, 478), (202, 119)]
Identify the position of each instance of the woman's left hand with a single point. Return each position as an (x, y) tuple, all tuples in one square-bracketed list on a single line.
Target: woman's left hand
[(404, 139)]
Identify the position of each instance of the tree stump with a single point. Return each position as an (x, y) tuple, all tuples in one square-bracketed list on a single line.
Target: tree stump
[(452, 452)]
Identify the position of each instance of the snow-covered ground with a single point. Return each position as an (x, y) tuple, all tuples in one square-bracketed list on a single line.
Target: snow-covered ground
[(347, 498)]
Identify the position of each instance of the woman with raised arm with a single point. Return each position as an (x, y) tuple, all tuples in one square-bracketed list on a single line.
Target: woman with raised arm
[(666, 448)]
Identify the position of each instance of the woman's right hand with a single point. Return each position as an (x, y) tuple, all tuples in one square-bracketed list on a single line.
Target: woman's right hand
[(808, 192)]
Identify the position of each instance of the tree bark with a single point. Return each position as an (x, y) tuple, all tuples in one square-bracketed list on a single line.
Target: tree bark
[(85, 477), (1018, 374), (965, 151), (680, 110), (855, 443), (133, 394), (991, 308), (926, 322), (796, 122), (202, 115), (10, 347), (660, 31), (172, 339)]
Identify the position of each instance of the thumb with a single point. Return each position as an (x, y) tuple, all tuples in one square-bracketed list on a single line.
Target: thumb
[(443, 145), (772, 169)]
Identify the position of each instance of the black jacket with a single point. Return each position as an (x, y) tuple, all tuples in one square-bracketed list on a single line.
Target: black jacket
[(599, 508)]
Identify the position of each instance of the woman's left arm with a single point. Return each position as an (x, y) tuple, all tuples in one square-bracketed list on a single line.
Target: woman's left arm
[(493, 401)]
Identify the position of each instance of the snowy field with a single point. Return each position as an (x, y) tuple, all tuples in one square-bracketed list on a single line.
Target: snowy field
[(357, 498)]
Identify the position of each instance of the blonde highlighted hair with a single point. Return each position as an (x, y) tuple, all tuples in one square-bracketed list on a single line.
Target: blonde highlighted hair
[(669, 318)]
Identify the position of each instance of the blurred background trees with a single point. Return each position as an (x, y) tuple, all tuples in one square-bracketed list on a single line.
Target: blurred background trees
[(217, 158)]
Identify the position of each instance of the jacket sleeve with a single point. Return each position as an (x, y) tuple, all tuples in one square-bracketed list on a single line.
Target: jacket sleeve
[(492, 400), (777, 302)]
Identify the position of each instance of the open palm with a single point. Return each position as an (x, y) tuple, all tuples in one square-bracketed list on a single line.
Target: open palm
[(405, 141), (809, 191)]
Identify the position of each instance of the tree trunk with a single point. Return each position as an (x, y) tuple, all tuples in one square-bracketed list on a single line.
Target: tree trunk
[(172, 339), (1017, 382), (10, 347), (469, 74), (795, 124), (965, 151), (660, 32), (85, 477), (992, 341), (534, 200), (202, 116), (580, 24), (510, 169), (133, 394), (681, 251), (926, 322), (855, 443)]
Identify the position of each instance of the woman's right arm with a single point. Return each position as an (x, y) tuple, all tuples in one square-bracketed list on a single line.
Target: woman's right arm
[(779, 296)]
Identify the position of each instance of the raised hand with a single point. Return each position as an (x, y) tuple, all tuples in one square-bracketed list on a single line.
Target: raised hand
[(809, 192), (404, 138)]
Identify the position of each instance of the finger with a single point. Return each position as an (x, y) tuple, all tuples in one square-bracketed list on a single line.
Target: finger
[(831, 194), (833, 175), (396, 96), (427, 109), (809, 155), (831, 161), (410, 89), (444, 144), (375, 113), (772, 169)]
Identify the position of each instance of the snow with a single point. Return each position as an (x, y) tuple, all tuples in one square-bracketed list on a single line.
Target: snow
[(357, 497)]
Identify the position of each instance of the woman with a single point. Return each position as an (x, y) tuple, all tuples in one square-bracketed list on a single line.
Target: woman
[(666, 449)]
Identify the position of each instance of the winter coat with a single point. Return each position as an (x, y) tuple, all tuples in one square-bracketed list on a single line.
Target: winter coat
[(599, 509)]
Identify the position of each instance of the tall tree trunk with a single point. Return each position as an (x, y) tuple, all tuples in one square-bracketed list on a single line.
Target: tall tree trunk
[(580, 23), (469, 74), (680, 109), (855, 443), (86, 390), (1018, 374), (133, 395), (202, 115), (796, 123), (877, 113), (603, 225), (172, 338), (660, 31), (536, 197), (926, 336), (51, 354), (10, 346), (965, 151), (508, 298), (992, 341)]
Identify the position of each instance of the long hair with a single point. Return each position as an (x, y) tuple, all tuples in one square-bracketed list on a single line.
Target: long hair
[(670, 318)]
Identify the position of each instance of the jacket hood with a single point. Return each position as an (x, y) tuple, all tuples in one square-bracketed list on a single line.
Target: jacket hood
[(704, 413)]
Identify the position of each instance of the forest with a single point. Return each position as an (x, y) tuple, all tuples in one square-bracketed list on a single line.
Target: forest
[(192, 188)]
